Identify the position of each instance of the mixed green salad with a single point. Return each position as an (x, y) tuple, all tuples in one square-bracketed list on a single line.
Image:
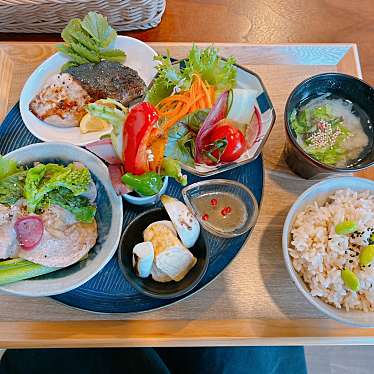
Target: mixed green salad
[(206, 63), (47, 184)]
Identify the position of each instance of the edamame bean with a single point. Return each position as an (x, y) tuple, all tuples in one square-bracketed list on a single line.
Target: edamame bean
[(346, 227), (367, 255), (350, 280)]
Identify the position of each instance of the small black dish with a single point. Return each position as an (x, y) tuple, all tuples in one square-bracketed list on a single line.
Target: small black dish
[(341, 85), (133, 235)]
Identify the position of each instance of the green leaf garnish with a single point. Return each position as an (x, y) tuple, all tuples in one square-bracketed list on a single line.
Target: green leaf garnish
[(88, 41), (98, 27)]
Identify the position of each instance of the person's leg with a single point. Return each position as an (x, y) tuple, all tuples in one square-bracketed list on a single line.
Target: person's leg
[(235, 360), (82, 361)]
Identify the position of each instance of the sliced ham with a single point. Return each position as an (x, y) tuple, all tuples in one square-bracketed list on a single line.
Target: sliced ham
[(104, 149), (115, 173)]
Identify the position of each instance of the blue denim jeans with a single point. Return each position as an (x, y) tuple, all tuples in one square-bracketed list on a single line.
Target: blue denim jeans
[(215, 360)]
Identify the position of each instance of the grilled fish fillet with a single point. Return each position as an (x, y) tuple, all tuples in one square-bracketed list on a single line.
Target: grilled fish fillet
[(109, 79), (61, 101)]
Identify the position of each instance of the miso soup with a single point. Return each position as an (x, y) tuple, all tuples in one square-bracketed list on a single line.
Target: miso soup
[(331, 130)]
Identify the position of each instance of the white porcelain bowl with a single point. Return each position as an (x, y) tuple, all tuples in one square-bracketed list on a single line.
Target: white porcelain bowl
[(139, 57), (108, 217), (319, 192)]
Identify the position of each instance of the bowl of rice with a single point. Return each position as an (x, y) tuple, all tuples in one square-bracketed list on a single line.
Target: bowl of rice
[(328, 247)]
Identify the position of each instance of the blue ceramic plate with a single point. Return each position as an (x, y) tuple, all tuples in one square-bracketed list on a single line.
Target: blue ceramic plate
[(108, 291)]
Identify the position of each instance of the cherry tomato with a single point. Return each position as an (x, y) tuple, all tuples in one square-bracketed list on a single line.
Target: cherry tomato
[(226, 143)]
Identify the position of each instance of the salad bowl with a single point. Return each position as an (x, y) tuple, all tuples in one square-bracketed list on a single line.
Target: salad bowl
[(263, 119), (109, 217)]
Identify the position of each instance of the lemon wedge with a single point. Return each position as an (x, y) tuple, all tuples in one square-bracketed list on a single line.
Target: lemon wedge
[(91, 124)]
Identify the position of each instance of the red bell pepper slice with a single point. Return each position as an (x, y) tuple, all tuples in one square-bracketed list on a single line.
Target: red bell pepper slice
[(136, 131)]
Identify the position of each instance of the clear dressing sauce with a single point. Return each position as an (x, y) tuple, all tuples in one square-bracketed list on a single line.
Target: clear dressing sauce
[(222, 211)]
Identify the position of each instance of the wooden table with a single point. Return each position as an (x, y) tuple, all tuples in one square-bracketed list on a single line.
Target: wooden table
[(261, 21), (251, 302)]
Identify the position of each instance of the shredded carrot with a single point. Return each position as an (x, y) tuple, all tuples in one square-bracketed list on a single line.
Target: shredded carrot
[(175, 107)]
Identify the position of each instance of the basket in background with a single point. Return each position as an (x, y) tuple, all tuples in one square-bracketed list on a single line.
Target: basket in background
[(51, 16)]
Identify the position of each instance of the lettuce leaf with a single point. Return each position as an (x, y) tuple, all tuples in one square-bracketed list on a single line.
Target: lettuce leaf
[(181, 144), (211, 68), (11, 181), (11, 188), (42, 179), (7, 167), (205, 62), (80, 206)]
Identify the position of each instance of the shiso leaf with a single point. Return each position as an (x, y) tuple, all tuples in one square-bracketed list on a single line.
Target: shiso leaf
[(113, 55), (98, 27), (81, 50), (68, 65), (80, 60)]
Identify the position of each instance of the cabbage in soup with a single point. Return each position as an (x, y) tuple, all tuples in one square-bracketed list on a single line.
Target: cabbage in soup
[(330, 130)]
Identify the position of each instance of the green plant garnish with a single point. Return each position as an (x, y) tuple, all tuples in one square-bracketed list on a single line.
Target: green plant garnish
[(88, 41)]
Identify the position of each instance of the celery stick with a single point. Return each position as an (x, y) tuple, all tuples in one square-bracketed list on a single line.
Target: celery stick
[(18, 269)]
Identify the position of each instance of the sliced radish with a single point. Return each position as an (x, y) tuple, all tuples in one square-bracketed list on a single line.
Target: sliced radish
[(104, 149), (115, 173), (29, 231), (217, 113), (253, 129)]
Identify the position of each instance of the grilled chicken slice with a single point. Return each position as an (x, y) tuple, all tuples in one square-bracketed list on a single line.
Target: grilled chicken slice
[(61, 101), (65, 241), (8, 239), (109, 79)]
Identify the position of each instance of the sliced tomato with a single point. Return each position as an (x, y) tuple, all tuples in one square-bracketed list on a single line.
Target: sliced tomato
[(29, 231), (226, 144)]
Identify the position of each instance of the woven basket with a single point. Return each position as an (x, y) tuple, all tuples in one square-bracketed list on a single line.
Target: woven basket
[(51, 16)]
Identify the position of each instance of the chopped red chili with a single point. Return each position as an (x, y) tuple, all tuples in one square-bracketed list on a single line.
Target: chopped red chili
[(226, 211), (213, 202)]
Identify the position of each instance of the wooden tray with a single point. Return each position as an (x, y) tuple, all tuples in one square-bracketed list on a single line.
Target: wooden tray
[(254, 300)]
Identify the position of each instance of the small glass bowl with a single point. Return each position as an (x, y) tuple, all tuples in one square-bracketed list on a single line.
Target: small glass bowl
[(223, 185)]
